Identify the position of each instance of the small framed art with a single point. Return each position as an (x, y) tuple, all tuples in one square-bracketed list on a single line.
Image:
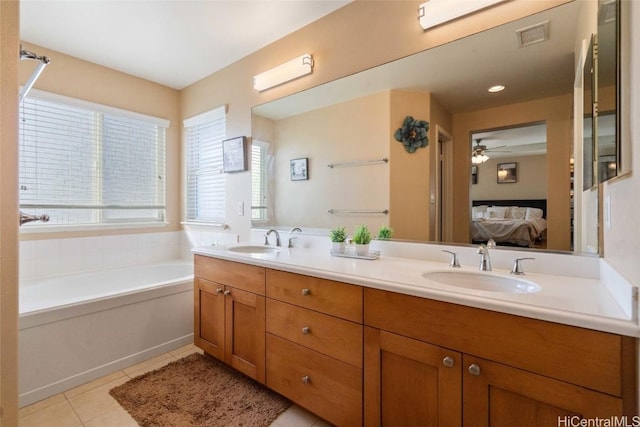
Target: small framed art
[(299, 169), (233, 155), (507, 173)]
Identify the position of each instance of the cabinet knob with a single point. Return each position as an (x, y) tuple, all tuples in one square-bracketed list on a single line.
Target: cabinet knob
[(306, 379), (448, 362), (218, 291), (306, 330), (474, 369), (306, 292), (227, 292)]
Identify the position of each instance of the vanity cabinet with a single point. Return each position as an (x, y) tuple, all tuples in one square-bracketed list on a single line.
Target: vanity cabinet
[(229, 313), (435, 363), (315, 344)]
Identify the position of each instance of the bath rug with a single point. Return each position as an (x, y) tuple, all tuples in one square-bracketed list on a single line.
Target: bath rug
[(198, 390)]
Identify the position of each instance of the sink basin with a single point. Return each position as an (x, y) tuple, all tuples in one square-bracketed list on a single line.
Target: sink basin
[(482, 282), (254, 249)]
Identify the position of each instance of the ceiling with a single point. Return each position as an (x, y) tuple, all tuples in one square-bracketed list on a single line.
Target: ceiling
[(171, 42)]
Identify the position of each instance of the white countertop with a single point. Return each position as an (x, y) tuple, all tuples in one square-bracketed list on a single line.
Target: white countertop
[(568, 300)]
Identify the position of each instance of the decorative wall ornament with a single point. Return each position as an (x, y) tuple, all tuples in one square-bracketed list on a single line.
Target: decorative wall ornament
[(412, 134)]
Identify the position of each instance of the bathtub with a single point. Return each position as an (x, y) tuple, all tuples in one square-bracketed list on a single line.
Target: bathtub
[(76, 328)]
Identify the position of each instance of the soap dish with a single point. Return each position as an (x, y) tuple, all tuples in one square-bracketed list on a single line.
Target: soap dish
[(371, 255)]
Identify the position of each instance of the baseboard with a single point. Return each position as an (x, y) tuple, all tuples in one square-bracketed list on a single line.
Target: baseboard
[(65, 384)]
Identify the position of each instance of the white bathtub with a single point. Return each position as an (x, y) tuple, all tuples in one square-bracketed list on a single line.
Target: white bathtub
[(76, 328)]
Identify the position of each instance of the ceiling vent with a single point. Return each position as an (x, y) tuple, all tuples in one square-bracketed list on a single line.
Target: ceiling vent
[(534, 34)]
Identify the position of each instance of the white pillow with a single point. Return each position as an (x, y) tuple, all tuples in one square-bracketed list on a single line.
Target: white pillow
[(533, 213), (518, 213), (479, 211), (496, 212)]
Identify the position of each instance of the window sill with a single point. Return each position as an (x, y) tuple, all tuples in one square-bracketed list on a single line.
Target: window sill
[(205, 224), (26, 229)]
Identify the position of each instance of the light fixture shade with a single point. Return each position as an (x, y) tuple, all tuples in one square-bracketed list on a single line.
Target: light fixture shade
[(283, 73), (477, 159), (436, 12)]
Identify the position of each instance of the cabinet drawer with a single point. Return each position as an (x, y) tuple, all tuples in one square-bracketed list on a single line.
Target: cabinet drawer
[(334, 298), (329, 335), (580, 356), (242, 276), (326, 386)]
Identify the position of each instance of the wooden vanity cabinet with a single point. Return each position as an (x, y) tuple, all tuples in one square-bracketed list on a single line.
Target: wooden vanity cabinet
[(474, 367), (315, 344), (229, 313)]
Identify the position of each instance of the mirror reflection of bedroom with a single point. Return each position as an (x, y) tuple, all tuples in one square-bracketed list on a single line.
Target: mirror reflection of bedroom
[(509, 186)]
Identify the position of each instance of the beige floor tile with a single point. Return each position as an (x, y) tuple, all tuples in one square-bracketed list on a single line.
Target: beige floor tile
[(150, 367), (187, 352), (57, 415), (97, 401), (295, 416), (143, 367), (115, 418), (93, 384), (34, 407)]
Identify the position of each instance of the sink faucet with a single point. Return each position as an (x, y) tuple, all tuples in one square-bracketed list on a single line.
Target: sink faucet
[(291, 239), (266, 237), (485, 261)]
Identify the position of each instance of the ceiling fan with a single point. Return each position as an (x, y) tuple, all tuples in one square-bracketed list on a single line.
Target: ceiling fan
[(478, 152)]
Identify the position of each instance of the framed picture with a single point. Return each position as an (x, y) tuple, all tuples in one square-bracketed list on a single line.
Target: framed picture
[(233, 155), (299, 169), (474, 174), (507, 173)]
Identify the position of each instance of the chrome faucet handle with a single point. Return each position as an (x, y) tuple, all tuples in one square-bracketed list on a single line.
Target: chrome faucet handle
[(485, 260), (294, 229), (454, 263), (517, 267), (291, 239)]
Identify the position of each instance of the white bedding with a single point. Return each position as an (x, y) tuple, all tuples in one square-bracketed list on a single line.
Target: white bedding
[(522, 232)]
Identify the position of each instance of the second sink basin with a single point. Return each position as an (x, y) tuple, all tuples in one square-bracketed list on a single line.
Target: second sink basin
[(254, 249), (482, 282)]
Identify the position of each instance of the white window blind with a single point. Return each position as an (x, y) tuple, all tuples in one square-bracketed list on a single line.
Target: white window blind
[(206, 191), (84, 163), (259, 184)]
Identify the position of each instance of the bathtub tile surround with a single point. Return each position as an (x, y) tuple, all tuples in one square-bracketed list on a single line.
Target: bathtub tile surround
[(90, 404), (56, 257)]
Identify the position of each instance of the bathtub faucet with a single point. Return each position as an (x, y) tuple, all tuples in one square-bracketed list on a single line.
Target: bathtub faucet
[(25, 218)]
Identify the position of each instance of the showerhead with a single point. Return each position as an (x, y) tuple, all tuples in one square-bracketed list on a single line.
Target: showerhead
[(44, 61)]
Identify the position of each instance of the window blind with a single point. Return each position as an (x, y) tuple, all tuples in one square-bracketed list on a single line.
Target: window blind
[(259, 195), (84, 163), (206, 191)]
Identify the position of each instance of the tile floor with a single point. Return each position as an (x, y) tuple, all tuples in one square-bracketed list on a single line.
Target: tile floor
[(90, 405)]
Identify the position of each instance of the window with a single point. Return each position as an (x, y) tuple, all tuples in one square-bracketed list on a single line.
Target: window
[(206, 190), (83, 163), (259, 183)]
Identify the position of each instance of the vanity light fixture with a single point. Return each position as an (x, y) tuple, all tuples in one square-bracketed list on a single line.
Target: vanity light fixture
[(283, 73), (436, 12), (496, 88)]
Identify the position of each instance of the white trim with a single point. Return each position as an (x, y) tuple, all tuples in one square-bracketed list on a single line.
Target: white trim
[(90, 227), (206, 116)]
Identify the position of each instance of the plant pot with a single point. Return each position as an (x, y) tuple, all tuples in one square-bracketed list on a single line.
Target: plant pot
[(338, 247), (362, 250)]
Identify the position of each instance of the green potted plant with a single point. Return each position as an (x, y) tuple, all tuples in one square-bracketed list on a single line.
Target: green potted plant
[(338, 236), (361, 238), (384, 232)]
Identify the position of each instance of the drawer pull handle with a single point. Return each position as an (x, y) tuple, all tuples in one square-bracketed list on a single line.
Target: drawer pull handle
[(306, 330), (227, 292), (448, 362), (306, 292), (306, 379), (474, 369), (218, 291)]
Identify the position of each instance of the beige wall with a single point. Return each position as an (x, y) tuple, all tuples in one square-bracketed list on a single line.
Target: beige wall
[(358, 131), (9, 48), (440, 121), (531, 179), (72, 77), (557, 113)]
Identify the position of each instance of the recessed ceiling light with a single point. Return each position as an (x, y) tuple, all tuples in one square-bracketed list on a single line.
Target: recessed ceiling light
[(496, 88)]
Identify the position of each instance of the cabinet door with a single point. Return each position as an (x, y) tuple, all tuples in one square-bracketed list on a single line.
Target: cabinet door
[(245, 332), (209, 317), (409, 382), (497, 395)]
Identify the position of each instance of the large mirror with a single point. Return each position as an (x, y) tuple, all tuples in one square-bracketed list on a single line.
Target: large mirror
[(358, 173)]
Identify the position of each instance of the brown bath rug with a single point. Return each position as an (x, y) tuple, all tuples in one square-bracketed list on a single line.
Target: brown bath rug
[(198, 391)]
